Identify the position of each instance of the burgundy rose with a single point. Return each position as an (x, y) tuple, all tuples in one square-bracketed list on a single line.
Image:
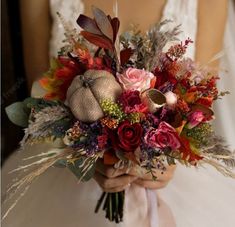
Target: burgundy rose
[(164, 136), (126, 137), (131, 102), (164, 78)]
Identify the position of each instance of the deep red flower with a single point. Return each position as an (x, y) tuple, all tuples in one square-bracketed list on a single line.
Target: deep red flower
[(164, 77), (131, 102), (126, 137)]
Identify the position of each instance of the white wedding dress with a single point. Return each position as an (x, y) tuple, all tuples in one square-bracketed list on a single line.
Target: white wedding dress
[(198, 198)]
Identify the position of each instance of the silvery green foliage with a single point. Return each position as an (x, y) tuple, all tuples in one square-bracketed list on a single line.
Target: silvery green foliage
[(148, 47), (158, 39)]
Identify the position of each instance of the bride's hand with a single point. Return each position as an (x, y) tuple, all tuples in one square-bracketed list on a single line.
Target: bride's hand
[(111, 179), (114, 180), (162, 178)]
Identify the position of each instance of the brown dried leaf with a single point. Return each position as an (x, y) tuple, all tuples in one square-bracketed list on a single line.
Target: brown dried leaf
[(88, 24), (100, 41), (115, 24), (125, 55), (103, 22)]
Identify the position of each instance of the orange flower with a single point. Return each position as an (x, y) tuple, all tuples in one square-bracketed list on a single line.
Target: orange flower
[(57, 80), (186, 151)]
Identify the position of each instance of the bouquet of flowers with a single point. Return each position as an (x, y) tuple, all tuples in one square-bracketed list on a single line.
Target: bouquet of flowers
[(125, 101)]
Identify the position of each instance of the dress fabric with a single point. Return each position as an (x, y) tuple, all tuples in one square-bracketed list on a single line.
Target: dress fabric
[(198, 198), (203, 197)]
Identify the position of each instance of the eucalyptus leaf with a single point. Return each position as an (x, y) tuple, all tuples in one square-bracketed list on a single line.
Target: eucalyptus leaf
[(30, 101), (17, 114)]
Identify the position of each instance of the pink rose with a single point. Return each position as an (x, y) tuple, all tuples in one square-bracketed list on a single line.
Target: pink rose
[(195, 118), (131, 102), (135, 79), (164, 136)]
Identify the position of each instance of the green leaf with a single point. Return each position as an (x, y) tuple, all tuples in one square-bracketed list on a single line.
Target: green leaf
[(18, 114), (31, 102), (60, 127), (73, 167), (40, 103)]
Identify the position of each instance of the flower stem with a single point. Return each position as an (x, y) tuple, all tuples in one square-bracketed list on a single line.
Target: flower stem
[(113, 205)]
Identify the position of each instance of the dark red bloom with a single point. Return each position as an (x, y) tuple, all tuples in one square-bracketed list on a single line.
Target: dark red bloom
[(164, 77), (126, 137), (131, 102)]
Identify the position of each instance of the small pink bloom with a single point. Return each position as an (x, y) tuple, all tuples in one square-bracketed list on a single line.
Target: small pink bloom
[(135, 79), (164, 136), (195, 118)]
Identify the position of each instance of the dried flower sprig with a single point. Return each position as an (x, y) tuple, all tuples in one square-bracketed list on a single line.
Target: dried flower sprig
[(42, 122)]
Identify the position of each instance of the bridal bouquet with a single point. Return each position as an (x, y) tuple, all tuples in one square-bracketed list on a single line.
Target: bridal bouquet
[(124, 100)]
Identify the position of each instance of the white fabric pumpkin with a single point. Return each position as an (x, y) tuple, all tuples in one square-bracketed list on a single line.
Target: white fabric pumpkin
[(87, 91)]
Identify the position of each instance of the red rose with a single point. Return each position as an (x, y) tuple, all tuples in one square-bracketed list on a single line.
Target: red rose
[(131, 102), (126, 137)]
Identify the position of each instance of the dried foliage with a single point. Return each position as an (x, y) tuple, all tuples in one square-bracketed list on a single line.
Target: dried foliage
[(148, 47), (41, 123), (218, 150)]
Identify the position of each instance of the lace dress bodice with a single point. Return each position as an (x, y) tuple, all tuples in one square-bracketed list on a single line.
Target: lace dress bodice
[(182, 12)]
